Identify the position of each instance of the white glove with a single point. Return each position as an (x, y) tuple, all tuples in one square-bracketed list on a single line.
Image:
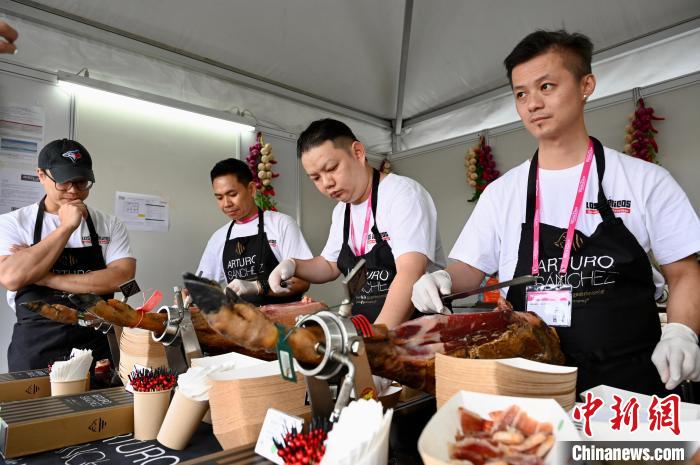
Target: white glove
[(677, 355), (282, 272), (427, 291), (244, 288)]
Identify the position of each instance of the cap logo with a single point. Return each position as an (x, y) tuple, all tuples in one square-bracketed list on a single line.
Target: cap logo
[(72, 155)]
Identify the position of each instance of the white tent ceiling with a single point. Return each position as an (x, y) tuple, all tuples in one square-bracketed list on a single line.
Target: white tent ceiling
[(348, 52)]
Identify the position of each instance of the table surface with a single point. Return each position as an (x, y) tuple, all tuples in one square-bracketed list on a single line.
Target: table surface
[(408, 421), (125, 449)]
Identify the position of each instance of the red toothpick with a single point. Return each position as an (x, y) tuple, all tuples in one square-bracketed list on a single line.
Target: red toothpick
[(160, 379), (297, 448)]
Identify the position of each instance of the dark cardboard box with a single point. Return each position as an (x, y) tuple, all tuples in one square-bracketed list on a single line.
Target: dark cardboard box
[(20, 385), (31, 384), (38, 425)]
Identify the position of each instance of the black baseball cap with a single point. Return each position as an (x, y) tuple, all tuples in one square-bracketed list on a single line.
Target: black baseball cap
[(66, 159)]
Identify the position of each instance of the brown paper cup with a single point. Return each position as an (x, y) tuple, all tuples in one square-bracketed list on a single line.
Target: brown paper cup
[(149, 411), (181, 421), (62, 388)]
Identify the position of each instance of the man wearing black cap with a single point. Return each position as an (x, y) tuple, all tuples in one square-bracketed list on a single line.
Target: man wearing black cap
[(55, 247)]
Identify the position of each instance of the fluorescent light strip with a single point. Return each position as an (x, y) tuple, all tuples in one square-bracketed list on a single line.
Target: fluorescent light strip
[(151, 103)]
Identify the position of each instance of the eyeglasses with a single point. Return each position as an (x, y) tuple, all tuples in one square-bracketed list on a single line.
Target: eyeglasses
[(81, 185)]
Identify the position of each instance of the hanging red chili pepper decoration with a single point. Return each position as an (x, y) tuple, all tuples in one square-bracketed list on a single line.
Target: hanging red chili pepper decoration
[(481, 167), (640, 138)]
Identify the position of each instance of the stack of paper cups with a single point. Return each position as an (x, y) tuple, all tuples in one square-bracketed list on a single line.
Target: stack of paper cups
[(136, 347)]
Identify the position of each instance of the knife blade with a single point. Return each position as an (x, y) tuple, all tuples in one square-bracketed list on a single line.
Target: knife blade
[(526, 279)]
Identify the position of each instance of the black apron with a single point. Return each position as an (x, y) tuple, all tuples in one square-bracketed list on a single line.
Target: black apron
[(38, 341), (614, 324), (379, 264), (250, 258)]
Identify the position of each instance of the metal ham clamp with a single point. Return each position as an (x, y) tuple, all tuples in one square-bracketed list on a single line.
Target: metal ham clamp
[(178, 336), (343, 351)]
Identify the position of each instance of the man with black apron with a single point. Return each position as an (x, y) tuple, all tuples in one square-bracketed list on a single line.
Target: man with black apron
[(380, 266), (582, 218), (388, 220), (243, 252), (56, 247)]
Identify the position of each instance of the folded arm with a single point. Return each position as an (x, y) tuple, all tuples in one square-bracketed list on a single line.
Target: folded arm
[(29, 264), (103, 281)]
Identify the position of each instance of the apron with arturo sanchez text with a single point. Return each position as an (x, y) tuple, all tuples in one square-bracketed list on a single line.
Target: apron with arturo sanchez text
[(614, 320), (250, 258)]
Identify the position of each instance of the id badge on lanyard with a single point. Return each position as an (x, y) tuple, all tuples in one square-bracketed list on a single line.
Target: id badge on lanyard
[(553, 302)]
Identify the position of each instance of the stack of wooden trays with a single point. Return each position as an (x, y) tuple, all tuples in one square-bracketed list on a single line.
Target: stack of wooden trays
[(516, 377), (239, 400), (137, 347)]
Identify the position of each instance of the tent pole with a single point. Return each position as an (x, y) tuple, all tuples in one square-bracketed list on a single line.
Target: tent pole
[(405, 43)]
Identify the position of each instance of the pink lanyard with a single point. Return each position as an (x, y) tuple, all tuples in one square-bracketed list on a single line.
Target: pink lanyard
[(360, 251), (572, 220)]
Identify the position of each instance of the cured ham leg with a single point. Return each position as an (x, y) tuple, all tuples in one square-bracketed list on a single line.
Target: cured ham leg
[(406, 353), (120, 314)]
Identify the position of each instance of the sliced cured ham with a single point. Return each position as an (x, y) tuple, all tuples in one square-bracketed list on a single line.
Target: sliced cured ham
[(509, 436)]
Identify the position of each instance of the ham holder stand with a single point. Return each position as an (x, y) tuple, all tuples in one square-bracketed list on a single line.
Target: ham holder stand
[(344, 357)]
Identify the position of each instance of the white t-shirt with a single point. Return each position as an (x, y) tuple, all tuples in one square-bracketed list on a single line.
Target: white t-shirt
[(17, 227), (406, 218), (650, 202), (283, 235)]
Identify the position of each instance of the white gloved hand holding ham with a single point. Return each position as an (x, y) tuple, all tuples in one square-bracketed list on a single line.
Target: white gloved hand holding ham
[(282, 272), (427, 291)]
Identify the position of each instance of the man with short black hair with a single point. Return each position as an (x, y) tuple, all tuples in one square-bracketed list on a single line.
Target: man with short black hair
[(55, 247), (595, 281), (242, 253), (388, 220)]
